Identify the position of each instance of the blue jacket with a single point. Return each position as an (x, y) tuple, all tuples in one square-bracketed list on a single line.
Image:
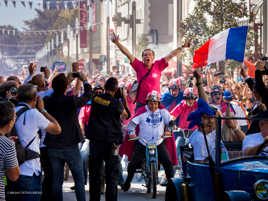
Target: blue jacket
[(168, 99)]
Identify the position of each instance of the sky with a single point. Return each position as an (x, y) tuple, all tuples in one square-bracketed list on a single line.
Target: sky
[(15, 16)]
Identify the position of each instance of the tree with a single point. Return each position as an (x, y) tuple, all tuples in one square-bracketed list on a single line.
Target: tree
[(210, 17), (51, 20)]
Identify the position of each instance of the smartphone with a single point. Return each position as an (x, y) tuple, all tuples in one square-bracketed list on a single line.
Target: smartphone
[(112, 36)]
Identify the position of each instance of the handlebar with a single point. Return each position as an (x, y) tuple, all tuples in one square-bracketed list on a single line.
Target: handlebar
[(138, 137)]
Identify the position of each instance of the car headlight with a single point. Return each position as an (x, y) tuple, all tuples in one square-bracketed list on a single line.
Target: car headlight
[(261, 189)]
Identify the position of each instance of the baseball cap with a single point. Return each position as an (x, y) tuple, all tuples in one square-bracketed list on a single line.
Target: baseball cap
[(227, 95)]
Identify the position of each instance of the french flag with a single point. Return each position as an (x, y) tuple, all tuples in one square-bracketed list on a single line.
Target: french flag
[(228, 44)]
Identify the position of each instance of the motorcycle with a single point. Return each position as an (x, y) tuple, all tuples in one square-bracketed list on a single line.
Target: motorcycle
[(150, 170)]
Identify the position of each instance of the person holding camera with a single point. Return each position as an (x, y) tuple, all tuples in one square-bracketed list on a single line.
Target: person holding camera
[(105, 135), (64, 148), (46, 72), (8, 91), (27, 125), (32, 69)]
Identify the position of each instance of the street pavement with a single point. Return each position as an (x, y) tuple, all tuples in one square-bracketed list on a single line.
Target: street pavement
[(137, 192)]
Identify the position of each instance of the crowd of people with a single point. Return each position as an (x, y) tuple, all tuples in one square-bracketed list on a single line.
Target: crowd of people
[(86, 123)]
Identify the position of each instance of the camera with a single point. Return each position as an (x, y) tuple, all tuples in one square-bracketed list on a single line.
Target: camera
[(222, 81), (43, 69), (13, 91), (265, 59), (75, 75)]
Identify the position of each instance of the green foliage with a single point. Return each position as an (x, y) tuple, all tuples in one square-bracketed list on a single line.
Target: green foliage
[(210, 17), (52, 20)]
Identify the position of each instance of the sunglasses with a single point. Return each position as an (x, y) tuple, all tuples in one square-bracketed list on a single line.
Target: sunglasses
[(188, 97), (215, 94)]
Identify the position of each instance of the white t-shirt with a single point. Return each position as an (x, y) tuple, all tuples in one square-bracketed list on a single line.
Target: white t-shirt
[(199, 145), (152, 125), (253, 140), (34, 121)]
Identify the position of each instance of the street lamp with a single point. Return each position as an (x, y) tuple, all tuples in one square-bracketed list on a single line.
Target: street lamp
[(68, 41), (76, 36), (90, 64), (108, 37), (254, 9)]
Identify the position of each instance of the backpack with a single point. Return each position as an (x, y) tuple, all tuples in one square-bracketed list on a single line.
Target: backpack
[(23, 153)]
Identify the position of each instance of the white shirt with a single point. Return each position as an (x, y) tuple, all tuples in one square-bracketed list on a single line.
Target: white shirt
[(34, 121), (152, 125), (253, 140), (199, 145)]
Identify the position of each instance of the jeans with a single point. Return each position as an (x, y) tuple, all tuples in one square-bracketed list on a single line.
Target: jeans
[(26, 188), (70, 155), (47, 181), (121, 178), (99, 152), (84, 152)]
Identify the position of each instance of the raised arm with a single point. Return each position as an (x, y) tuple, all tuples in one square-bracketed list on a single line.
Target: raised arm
[(123, 49), (177, 51), (201, 92)]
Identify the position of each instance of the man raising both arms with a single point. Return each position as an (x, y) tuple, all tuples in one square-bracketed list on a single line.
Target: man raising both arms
[(148, 71)]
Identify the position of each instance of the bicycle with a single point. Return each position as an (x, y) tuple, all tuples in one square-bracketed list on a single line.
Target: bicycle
[(150, 171)]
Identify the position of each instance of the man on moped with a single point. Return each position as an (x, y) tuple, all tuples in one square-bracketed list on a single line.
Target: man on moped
[(154, 123)]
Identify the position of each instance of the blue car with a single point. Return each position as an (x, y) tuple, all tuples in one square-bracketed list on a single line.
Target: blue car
[(238, 179)]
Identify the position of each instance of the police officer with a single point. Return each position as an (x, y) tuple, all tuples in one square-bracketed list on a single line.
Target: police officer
[(105, 135)]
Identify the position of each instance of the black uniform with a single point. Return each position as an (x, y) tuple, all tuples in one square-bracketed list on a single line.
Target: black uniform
[(104, 132)]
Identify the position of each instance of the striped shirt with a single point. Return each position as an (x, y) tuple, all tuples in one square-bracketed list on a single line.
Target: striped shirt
[(8, 159)]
